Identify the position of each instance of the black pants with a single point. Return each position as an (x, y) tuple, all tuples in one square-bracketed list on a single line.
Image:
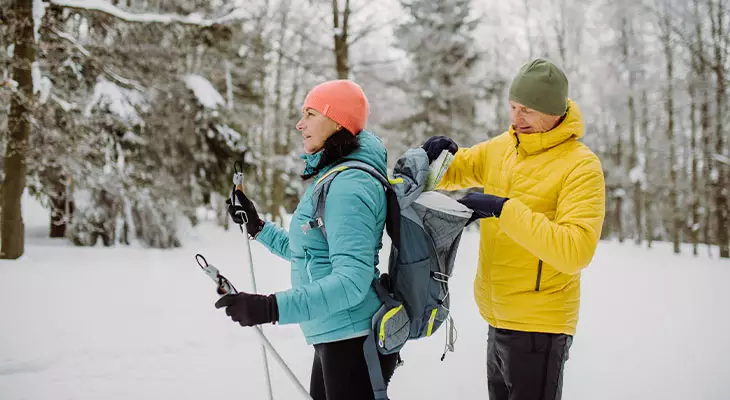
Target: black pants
[(339, 371), (526, 365)]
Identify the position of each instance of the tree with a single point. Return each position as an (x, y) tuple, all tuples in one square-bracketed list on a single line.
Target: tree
[(19, 126), (674, 211), (438, 40)]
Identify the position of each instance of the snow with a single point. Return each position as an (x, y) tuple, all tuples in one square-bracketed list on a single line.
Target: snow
[(39, 11), (35, 71), (721, 158), (230, 136), (637, 175), (130, 323), (120, 101), (204, 91), (192, 19), (45, 89)]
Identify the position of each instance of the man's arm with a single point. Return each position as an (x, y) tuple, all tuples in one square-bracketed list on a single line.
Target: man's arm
[(466, 170), (569, 242)]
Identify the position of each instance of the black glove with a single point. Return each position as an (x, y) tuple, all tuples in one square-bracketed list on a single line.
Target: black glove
[(250, 309), (254, 225), (436, 144), (483, 205)]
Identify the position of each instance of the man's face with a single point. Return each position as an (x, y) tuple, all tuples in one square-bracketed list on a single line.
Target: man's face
[(526, 120)]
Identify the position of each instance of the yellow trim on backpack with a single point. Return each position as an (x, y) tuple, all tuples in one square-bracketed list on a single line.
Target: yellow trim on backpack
[(330, 172), (388, 315), (393, 181), (431, 322)]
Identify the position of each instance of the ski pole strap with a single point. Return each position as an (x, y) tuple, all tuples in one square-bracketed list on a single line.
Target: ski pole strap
[(372, 360)]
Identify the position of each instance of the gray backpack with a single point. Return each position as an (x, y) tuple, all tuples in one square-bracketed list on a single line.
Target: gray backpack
[(425, 229)]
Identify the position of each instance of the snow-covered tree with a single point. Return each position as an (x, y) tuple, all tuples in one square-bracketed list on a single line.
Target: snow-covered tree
[(437, 37)]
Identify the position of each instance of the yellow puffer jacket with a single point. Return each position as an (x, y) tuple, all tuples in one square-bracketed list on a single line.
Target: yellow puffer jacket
[(531, 257)]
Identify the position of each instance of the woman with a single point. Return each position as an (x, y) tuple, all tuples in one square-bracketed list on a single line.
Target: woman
[(331, 297)]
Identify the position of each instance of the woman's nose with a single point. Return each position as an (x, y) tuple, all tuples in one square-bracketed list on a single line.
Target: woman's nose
[(300, 124)]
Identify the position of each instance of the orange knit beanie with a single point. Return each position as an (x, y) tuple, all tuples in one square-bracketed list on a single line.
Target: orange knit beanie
[(343, 101)]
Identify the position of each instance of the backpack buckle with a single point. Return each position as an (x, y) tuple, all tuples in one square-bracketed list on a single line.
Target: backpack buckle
[(313, 224)]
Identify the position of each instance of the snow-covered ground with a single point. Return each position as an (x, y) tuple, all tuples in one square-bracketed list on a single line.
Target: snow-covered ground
[(130, 323)]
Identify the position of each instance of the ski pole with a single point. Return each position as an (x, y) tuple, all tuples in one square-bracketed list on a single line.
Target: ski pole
[(238, 181), (224, 287)]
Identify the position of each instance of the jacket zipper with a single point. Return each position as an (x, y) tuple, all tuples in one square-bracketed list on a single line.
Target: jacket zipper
[(307, 262), (539, 275)]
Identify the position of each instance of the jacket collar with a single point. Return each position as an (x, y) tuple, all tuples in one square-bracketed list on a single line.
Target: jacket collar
[(311, 161), (533, 143)]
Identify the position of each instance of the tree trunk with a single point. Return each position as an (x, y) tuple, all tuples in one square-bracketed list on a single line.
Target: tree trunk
[(676, 221), (342, 47), (720, 183), (694, 184), (645, 214), (634, 164), (61, 209), (706, 147), (281, 128), (13, 230)]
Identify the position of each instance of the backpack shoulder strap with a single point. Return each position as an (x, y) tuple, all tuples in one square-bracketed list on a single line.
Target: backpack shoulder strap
[(322, 186)]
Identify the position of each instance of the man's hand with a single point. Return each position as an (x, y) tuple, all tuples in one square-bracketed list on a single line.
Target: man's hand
[(483, 205), (436, 144)]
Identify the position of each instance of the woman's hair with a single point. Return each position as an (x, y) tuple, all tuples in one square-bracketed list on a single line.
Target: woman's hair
[(338, 145)]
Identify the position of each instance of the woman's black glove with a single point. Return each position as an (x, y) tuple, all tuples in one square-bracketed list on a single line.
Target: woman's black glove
[(250, 309), (254, 224)]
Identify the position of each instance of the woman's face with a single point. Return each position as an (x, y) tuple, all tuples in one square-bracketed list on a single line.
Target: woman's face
[(315, 128)]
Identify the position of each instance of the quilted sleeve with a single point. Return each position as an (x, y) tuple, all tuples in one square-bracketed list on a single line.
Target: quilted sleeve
[(276, 240), (467, 169), (569, 242)]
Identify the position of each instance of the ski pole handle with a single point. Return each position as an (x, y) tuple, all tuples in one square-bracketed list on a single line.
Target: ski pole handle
[(238, 175), (224, 286)]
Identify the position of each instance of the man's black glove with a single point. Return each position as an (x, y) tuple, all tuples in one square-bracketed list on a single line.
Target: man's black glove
[(436, 144), (254, 224), (250, 309), (483, 205)]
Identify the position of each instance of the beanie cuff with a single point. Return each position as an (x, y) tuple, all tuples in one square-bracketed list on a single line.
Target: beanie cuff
[(553, 110)]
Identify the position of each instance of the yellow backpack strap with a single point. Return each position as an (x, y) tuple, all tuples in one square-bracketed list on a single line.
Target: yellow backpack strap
[(330, 172)]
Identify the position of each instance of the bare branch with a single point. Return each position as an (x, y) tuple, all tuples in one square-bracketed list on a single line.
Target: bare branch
[(372, 29)]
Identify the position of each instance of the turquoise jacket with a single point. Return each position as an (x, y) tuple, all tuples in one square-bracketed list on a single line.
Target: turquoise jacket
[(331, 296)]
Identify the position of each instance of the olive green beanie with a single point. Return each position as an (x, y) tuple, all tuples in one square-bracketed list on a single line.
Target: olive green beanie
[(541, 86)]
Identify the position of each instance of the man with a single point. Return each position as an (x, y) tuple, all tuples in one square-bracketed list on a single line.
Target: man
[(544, 205)]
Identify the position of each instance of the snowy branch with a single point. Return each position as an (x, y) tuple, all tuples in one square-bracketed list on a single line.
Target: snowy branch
[(106, 8), (721, 159), (113, 75)]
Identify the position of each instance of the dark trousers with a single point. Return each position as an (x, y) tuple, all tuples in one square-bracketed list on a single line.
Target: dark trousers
[(526, 365), (339, 371)]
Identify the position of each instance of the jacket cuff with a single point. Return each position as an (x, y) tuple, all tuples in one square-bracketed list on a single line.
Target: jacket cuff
[(266, 234), (284, 308)]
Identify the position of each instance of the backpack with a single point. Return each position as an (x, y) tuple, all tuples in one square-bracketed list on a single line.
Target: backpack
[(425, 229)]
